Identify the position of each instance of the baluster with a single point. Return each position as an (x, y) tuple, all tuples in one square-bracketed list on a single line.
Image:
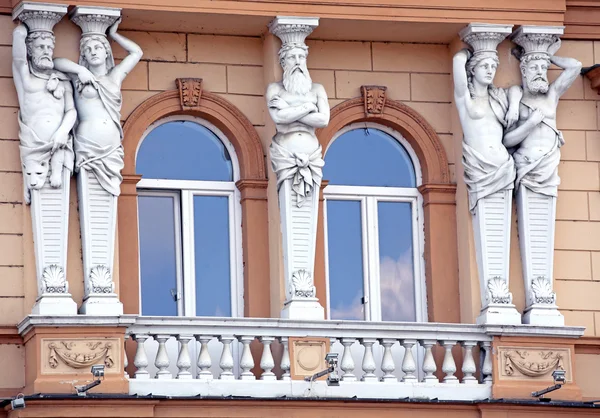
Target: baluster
[(468, 367), (226, 362), (184, 362), (409, 366), (162, 358), (204, 361), (368, 364), (125, 360), (486, 368), (246, 360), (285, 359), (140, 360), (347, 364), (449, 366), (266, 361), (387, 363), (429, 366)]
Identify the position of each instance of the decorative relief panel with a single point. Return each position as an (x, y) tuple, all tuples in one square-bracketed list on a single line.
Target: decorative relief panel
[(190, 92), (307, 356), (68, 356), (526, 363), (374, 97)]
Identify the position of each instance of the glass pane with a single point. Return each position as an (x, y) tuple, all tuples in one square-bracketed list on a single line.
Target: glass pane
[(211, 249), (345, 258), (396, 266), (368, 157), (158, 257), (183, 150)]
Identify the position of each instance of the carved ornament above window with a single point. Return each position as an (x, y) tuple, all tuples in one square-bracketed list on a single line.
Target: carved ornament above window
[(374, 98), (190, 92)]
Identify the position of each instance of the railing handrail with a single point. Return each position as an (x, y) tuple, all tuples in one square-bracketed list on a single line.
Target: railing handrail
[(275, 327)]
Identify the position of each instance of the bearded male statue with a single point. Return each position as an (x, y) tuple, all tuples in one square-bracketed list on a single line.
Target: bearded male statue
[(537, 156), (47, 112), (46, 118), (298, 107)]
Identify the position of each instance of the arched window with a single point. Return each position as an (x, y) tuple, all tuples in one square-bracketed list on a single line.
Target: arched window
[(374, 226), (189, 220)]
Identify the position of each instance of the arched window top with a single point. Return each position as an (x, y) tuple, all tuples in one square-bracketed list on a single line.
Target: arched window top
[(183, 148), (367, 154)]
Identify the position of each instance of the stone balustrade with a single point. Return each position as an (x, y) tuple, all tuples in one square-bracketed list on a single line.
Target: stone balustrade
[(226, 356)]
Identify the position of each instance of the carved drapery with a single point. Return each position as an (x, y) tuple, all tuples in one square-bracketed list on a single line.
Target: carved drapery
[(94, 353)]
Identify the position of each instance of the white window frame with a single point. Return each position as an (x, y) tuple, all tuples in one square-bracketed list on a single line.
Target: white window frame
[(368, 197), (184, 191)]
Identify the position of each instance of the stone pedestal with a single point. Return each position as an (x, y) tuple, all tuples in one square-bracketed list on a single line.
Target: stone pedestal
[(491, 224), (50, 220), (536, 220), (299, 233), (98, 216)]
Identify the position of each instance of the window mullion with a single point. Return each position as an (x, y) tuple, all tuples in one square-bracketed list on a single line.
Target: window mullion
[(373, 259), (326, 251), (366, 261), (189, 268)]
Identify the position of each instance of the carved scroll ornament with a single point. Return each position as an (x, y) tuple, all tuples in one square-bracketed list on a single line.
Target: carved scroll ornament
[(190, 92), (65, 351), (374, 98), (532, 366)]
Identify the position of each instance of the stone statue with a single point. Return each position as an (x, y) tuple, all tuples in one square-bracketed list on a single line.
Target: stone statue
[(485, 113), (98, 149), (297, 106), (46, 118), (538, 141), (46, 110), (97, 81)]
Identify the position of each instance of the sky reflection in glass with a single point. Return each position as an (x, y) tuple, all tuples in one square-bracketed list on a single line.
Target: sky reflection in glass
[(368, 157), (211, 241), (157, 255), (396, 270), (344, 237), (183, 150)]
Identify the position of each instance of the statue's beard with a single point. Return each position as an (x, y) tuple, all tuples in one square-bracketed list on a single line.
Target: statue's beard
[(42, 62), (297, 82), (538, 85)]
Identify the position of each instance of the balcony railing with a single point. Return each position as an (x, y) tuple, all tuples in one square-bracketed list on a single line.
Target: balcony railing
[(212, 357)]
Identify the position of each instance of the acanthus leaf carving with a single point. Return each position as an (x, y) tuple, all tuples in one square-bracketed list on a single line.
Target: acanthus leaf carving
[(374, 99), (190, 92)]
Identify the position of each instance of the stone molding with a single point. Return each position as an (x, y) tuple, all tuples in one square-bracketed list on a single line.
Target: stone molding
[(527, 363), (252, 185), (307, 356), (415, 129)]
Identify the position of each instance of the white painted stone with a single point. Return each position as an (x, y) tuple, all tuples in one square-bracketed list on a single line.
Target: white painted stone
[(485, 113), (538, 141), (46, 118), (99, 157), (297, 106)]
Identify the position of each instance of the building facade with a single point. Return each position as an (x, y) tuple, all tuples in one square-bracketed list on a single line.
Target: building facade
[(207, 198)]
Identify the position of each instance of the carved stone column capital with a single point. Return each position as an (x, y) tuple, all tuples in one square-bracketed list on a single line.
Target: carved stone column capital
[(484, 37), (94, 20), (39, 17), (293, 30), (536, 39)]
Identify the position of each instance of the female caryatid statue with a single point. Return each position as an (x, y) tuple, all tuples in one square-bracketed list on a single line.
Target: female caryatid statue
[(486, 112), (98, 150)]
